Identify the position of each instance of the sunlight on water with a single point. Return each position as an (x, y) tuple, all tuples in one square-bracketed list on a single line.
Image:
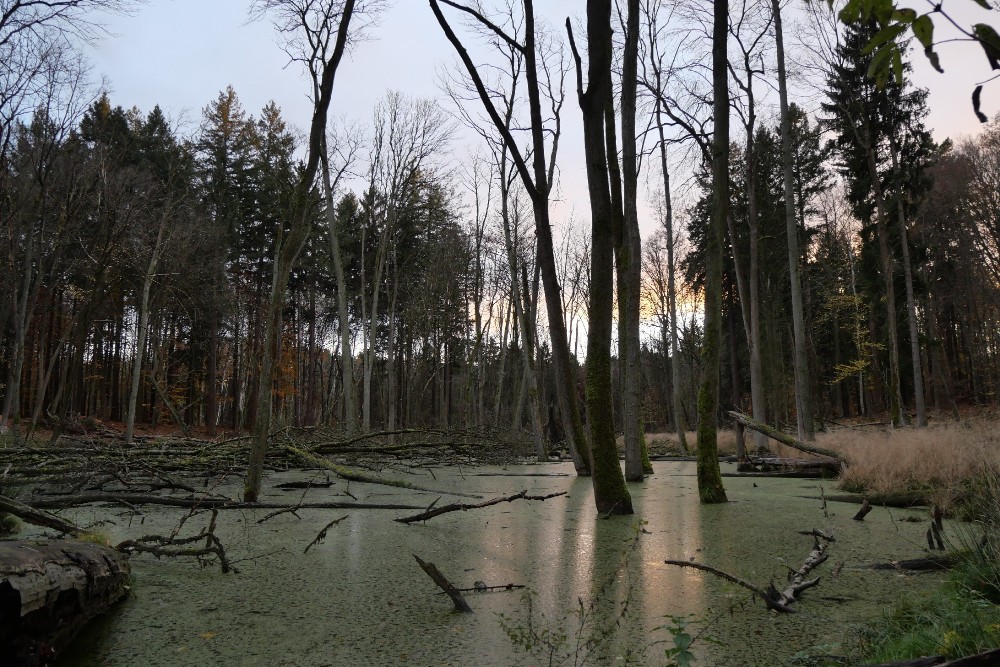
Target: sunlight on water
[(359, 598)]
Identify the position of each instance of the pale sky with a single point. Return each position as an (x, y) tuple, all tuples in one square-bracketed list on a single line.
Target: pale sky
[(181, 53)]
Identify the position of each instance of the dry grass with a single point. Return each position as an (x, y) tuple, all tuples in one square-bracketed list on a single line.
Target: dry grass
[(661, 444), (942, 460)]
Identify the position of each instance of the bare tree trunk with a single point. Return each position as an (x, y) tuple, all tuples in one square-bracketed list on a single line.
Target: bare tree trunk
[(537, 182), (710, 487), (143, 325), (632, 255), (610, 492), (911, 307), (675, 376), (324, 70), (343, 317), (803, 391)]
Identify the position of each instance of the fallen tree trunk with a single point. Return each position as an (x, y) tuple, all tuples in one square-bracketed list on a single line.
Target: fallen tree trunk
[(918, 564), (894, 500), (38, 517), (203, 503), (51, 589), (432, 512), (360, 476), (783, 438)]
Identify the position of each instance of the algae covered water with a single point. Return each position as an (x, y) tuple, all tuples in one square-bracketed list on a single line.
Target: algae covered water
[(359, 597)]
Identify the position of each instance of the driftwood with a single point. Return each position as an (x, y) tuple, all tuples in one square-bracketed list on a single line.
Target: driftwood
[(798, 582), (784, 438), (173, 546), (760, 592), (445, 585), (49, 590), (432, 511)]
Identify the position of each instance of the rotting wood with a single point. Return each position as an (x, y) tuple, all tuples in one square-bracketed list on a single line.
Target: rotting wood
[(483, 588), (49, 590), (37, 516), (866, 507), (798, 582), (445, 585), (432, 512), (783, 438), (173, 546)]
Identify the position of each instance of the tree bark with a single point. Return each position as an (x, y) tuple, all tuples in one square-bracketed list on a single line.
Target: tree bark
[(911, 307), (610, 493), (710, 487), (803, 390)]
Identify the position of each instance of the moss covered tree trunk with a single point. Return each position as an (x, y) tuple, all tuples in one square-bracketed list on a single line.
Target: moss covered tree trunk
[(710, 487), (610, 493)]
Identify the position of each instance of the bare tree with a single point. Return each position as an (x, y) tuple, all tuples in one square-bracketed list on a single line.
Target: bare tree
[(537, 180), (317, 35)]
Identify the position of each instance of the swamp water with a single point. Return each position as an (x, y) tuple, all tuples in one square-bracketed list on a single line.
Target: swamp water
[(359, 598)]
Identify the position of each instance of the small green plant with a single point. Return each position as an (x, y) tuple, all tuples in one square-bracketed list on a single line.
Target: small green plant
[(679, 655)]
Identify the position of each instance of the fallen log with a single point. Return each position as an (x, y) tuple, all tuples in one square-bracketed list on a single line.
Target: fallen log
[(432, 512), (929, 563), (894, 500), (445, 585), (38, 517), (51, 589), (774, 599), (203, 503), (360, 476), (783, 438), (789, 474)]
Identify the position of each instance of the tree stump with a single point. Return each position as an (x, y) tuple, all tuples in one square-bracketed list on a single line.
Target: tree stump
[(49, 589)]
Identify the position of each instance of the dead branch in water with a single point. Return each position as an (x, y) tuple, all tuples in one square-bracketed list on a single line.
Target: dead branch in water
[(174, 546), (322, 534), (445, 585), (432, 512)]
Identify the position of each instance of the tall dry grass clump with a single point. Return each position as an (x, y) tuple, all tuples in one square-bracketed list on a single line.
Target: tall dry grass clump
[(941, 461)]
